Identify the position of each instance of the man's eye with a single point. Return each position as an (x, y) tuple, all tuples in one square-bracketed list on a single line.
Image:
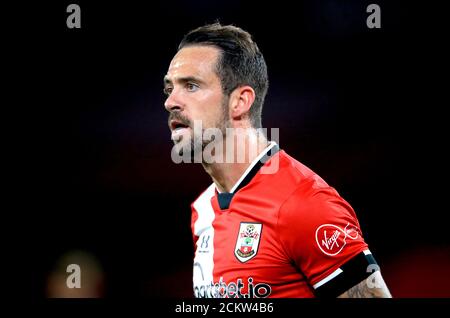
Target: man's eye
[(167, 90), (191, 87)]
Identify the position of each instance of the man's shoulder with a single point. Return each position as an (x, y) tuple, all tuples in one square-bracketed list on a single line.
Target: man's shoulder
[(290, 163), (293, 175), (292, 181), (310, 197)]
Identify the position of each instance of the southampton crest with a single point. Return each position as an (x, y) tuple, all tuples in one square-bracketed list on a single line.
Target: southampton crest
[(247, 241)]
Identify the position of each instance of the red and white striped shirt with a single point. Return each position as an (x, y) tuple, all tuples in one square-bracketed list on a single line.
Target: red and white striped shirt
[(282, 234)]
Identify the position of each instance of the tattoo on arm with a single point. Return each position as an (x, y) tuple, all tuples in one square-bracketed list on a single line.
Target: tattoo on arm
[(372, 287)]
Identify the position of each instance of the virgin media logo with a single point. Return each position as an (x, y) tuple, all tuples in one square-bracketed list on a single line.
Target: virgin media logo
[(331, 239)]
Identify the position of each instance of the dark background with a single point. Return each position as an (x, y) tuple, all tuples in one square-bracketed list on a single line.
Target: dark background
[(92, 169)]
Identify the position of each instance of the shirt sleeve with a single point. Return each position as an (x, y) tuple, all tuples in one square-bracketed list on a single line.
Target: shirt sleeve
[(320, 232)]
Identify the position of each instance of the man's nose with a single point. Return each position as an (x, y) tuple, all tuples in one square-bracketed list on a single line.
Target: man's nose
[(173, 103)]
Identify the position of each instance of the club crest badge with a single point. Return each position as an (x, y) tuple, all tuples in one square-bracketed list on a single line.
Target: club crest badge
[(247, 242)]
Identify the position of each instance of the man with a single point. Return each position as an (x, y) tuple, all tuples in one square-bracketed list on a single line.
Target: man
[(267, 226)]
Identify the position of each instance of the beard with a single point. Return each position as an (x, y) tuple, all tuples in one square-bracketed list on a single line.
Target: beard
[(197, 143)]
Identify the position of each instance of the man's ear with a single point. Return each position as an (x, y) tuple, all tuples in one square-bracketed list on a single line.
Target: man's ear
[(241, 100)]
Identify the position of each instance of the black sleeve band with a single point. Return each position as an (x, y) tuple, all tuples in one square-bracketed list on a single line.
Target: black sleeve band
[(353, 272)]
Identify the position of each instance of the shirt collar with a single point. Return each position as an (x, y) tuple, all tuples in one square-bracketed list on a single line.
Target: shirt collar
[(252, 165), (224, 198)]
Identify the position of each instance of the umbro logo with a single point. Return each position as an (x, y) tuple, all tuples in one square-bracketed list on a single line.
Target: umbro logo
[(203, 243)]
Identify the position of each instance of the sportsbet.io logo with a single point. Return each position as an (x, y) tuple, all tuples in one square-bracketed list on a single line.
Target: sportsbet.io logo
[(238, 289)]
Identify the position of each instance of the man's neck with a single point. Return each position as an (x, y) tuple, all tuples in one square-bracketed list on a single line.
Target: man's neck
[(226, 174)]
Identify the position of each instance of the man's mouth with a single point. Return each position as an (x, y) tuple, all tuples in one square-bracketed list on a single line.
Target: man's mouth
[(177, 125), (178, 129)]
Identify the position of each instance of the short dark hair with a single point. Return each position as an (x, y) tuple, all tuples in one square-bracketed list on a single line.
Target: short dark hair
[(240, 62)]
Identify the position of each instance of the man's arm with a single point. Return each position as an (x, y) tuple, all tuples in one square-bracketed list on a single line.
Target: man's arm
[(372, 287)]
